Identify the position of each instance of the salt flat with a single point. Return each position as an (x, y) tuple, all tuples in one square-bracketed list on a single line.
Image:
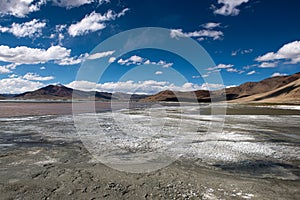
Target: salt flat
[(153, 151)]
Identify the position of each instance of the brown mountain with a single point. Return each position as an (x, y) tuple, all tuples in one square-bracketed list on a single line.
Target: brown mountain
[(200, 95), (266, 85), (279, 88), (60, 92), (289, 93)]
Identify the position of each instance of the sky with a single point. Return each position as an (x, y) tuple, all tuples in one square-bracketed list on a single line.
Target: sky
[(81, 43)]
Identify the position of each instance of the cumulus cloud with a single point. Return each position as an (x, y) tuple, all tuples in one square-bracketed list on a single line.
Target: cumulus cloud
[(229, 7), (268, 64), (72, 60), (27, 29), (6, 69), (289, 52), (35, 77), (137, 60), (278, 74), (20, 8), (76, 3), (16, 85), (200, 35), (59, 33), (140, 87), (220, 66), (100, 55), (211, 25), (93, 22), (27, 55)]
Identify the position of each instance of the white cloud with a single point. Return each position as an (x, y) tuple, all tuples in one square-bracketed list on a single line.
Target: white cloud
[(93, 22), (72, 60), (223, 66), (76, 3), (202, 76), (15, 85), (42, 68), (158, 72), (35, 77), (229, 7), (232, 70), (27, 29), (4, 70), (123, 12), (13, 76), (252, 72), (100, 55), (167, 65), (142, 87), (215, 35), (211, 25), (278, 74), (241, 51), (137, 60), (227, 67), (112, 59), (27, 55), (59, 33), (289, 52), (220, 66), (20, 8), (268, 64)]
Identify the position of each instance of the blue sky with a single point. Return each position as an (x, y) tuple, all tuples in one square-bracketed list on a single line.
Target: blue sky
[(47, 42)]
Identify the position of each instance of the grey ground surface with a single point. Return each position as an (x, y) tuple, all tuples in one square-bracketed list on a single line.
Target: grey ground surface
[(256, 158)]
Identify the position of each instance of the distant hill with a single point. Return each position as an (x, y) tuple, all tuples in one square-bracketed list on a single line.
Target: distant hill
[(280, 88), (2, 97), (167, 95), (60, 92)]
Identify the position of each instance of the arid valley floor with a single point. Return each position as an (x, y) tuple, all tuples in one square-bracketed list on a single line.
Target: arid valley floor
[(255, 156)]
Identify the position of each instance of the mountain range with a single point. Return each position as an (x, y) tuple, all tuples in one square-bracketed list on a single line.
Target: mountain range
[(279, 89)]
